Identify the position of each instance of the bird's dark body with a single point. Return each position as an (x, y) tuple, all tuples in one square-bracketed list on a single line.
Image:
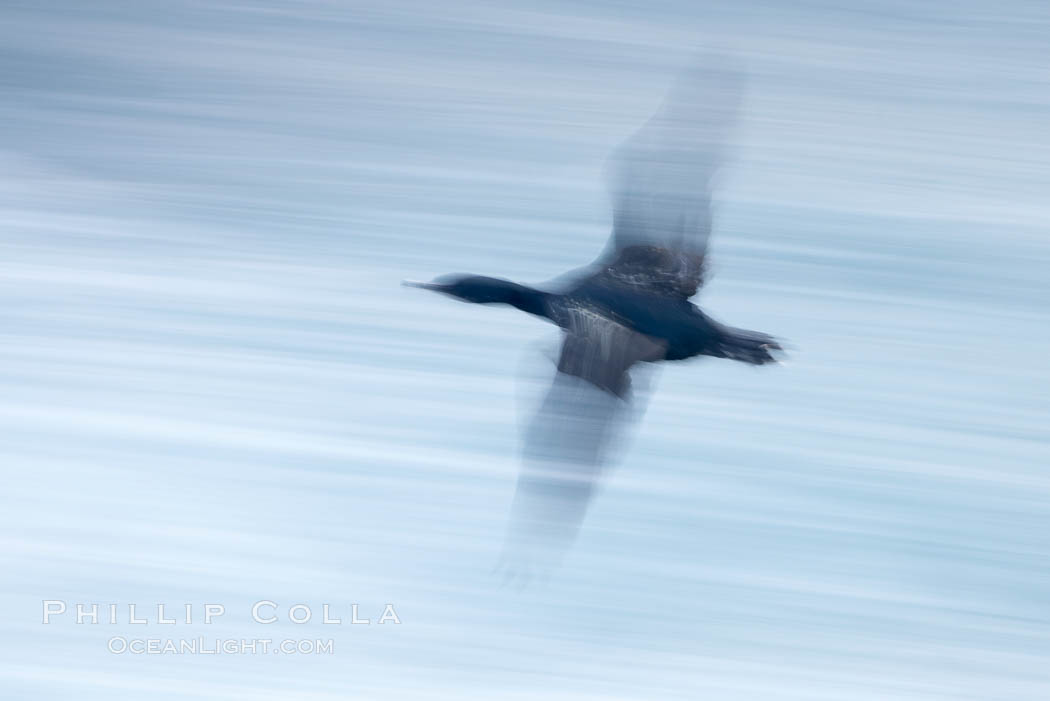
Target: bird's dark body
[(635, 309), (677, 323), (674, 322)]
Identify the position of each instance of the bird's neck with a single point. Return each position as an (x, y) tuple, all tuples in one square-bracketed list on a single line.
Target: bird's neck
[(489, 290)]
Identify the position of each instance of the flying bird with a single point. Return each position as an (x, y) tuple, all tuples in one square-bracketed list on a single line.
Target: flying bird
[(630, 306)]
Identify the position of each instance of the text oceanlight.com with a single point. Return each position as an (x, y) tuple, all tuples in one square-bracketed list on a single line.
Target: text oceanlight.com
[(119, 645)]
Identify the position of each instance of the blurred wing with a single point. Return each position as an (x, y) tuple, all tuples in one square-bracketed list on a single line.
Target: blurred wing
[(660, 179), (568, 441)]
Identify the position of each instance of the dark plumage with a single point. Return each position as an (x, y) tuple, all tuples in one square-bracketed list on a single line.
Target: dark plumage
[(635, 309)]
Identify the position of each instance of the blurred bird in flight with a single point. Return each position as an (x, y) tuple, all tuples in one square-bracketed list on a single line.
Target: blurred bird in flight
[(629, 306)]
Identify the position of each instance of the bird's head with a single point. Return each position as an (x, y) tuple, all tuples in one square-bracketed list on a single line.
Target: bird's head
[(470, 288)]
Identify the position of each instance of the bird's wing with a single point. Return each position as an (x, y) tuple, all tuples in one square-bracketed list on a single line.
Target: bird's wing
[(602, 351), (660, 179), (568, 442)]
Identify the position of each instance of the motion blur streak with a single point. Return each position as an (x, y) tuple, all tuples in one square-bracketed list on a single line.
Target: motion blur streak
[(216, 391)]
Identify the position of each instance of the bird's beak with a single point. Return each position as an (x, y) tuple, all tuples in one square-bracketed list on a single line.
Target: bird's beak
[(421, 285)]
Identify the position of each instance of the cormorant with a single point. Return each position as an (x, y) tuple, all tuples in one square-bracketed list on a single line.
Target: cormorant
[(631, 305)]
